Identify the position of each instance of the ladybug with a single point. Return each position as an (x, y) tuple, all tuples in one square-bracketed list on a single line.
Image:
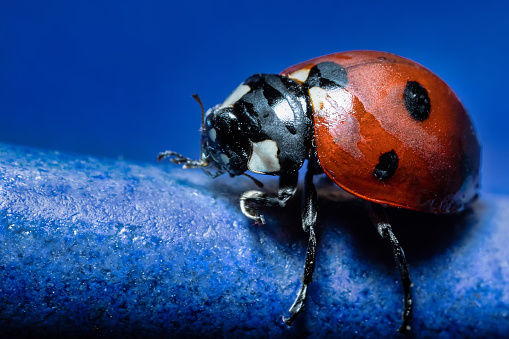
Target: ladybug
[(382, 127)]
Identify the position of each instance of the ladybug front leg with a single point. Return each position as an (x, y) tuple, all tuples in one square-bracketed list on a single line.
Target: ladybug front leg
[(308, 224), (179, 159), (251, 200), (381, 222)]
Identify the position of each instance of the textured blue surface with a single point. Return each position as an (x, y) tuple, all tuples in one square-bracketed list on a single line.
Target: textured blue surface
[(115, 248)]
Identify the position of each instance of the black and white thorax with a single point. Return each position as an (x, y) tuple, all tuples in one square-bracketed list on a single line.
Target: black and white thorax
[(263, 126)]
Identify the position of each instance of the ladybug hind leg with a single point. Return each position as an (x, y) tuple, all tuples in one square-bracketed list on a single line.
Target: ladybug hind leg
[(381, 222)]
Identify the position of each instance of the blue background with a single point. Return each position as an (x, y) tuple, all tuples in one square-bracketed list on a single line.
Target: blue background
[(115, 78)]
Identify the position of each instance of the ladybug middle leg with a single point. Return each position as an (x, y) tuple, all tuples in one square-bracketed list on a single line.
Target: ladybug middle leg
[(308, 224), (381, 222), (287, 187)]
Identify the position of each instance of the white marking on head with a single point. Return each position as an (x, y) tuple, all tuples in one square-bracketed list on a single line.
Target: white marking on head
[(300, 75), (284, 112), (212, 134), (264, 158), (235, 95), (224, 158)]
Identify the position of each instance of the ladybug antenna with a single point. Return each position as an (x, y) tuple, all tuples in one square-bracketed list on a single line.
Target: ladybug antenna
[(198, 100), (256, 181), (179, 159)]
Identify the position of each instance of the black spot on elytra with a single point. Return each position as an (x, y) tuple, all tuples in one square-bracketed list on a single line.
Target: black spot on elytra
[(387, 165), (417, 101), (326, 75)]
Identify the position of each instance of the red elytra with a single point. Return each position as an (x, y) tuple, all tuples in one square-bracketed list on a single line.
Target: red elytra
[(438, 158)]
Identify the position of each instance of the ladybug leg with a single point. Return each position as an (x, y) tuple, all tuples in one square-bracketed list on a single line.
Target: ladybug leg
[(308, 224), (381, 222), (251, 200), (180, 160)]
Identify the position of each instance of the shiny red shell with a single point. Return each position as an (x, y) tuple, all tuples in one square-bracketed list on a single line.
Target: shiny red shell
[(438, 158)]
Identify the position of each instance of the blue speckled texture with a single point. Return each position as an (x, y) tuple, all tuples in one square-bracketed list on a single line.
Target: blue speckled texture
[(113, 248)]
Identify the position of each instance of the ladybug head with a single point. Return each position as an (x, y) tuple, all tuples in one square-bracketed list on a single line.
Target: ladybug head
[(263, 126), (224, 144)]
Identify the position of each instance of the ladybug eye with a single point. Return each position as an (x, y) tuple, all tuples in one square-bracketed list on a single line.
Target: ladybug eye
[(417, 101), (387, 165)]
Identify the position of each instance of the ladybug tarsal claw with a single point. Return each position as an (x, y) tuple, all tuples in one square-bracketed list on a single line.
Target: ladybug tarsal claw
[(167, 154), (298, 304), (289, 321), (248, 209), (260, 220)]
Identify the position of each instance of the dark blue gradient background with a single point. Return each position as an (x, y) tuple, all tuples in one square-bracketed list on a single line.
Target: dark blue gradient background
[(115, 78)]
